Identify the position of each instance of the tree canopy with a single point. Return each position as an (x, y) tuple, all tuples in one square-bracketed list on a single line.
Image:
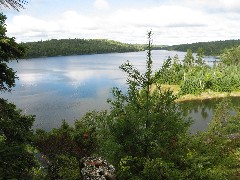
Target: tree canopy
[(65, 47), (231, 56), (16, 160), (9, 50), (212, 48), (145, 134)]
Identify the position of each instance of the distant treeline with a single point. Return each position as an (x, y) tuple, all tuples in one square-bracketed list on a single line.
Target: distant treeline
[(213, 48), (65, 47)]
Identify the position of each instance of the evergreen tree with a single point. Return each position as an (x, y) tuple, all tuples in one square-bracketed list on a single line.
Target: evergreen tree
[(16, 160), (65, 47), (143, 124)]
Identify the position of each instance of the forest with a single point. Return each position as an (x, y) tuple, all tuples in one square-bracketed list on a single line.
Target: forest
[(194, 76), (212, 48), (145, 134), (65, 47)]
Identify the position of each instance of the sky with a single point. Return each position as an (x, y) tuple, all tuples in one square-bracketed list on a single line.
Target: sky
[(171, 21)]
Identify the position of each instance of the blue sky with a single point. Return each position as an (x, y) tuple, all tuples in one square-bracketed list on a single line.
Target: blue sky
[(172, 21)]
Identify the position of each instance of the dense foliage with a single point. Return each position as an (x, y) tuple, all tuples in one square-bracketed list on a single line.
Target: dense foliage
[(143, 123), (64, 47), (9, 50), (146, 137), (212, 48), (214, 154), (231, 56), (16, 158), (194, 76), (145, 134), (64, 148)]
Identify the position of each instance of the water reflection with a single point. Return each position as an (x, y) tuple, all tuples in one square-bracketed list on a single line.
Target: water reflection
[(67, 87), (202, 111)]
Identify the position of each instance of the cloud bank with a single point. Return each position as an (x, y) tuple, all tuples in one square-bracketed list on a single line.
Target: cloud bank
[(101, 4), (174, 22)]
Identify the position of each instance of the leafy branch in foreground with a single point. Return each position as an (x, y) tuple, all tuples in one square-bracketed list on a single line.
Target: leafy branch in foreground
[(9, 50), (16, 160)]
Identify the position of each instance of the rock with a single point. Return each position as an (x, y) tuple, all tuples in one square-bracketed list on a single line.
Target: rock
[(97, 168)]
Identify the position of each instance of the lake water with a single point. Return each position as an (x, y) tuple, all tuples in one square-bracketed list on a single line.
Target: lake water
[(202, 111), (58, 88)]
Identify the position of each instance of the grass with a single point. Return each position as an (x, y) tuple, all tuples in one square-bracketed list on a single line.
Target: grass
[(165, 87), (205, 95)]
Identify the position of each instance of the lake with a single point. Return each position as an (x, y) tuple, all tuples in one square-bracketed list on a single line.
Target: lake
[(57, 88)]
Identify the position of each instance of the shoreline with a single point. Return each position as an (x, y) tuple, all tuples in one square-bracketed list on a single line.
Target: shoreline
[(207, 95), (113, 52), (203, 96)]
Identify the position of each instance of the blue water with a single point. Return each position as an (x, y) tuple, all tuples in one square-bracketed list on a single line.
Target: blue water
[(58, 88)]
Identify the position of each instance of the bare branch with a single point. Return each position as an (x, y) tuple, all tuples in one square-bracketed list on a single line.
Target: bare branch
[(15, 4)]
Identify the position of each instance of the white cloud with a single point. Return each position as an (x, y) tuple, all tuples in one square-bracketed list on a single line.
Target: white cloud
[(101, 4), (163, 16), (24, 25), (72, 21), (229, 5), (172, 24), (211, 6)]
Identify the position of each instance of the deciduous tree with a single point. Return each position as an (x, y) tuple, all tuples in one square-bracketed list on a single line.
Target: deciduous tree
[(9, 50)]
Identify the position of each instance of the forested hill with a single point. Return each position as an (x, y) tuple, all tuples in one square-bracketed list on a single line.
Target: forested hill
[(65, 47), (213, 48)]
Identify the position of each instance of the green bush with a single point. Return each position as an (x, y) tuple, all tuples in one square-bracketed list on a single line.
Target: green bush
[(191, 86)]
